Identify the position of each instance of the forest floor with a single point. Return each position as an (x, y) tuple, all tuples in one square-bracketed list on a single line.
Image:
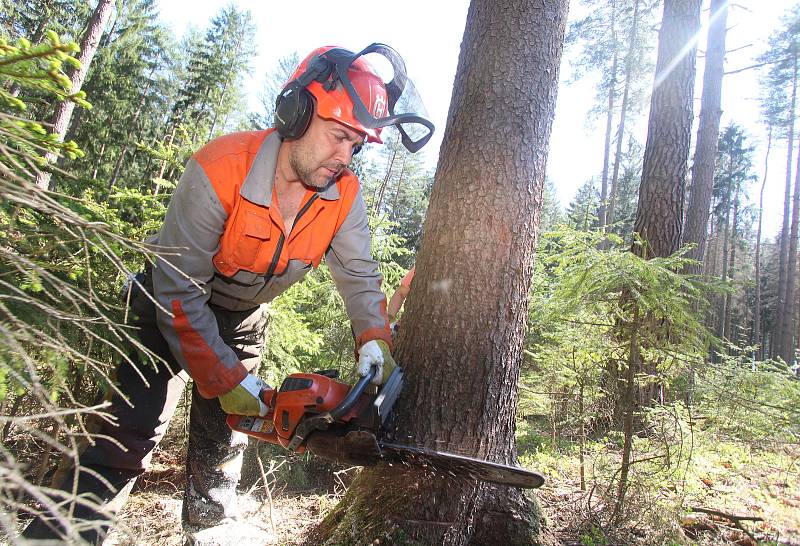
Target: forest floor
[(736, 482)]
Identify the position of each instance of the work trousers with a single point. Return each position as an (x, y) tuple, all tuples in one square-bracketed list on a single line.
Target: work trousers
[(122, 450)]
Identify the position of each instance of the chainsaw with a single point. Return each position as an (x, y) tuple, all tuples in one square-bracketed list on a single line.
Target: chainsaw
[(317, 413)]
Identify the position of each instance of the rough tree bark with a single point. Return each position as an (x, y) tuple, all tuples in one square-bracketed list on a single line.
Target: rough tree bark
[(705, 154), (659, 213), (462, 335), (63, 114)]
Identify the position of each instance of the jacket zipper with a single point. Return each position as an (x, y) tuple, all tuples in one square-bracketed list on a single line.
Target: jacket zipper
[(282, 238)]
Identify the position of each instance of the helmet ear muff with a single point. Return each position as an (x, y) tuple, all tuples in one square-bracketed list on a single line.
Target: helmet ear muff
[(293, 110)]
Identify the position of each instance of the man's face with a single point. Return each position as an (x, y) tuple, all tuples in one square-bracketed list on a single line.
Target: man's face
[(323, 151)]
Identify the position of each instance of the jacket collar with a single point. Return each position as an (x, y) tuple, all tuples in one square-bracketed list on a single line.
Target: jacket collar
[(257, 185)]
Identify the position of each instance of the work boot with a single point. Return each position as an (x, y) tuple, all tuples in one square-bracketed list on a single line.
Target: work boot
[(213, 465), (210, 500)]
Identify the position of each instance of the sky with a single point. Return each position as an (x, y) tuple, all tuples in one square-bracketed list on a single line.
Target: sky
[(428, 34)]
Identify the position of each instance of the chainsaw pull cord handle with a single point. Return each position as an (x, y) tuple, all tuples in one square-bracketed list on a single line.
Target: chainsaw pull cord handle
[(353, 395)]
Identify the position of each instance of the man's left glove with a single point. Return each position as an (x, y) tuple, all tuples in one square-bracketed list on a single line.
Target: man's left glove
[(376, 353), (244, 398)]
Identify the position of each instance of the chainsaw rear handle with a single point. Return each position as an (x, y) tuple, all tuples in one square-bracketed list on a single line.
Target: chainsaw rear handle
[(354, 394)]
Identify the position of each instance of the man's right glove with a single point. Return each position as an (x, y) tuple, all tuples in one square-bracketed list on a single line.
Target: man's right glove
[(244, 398)]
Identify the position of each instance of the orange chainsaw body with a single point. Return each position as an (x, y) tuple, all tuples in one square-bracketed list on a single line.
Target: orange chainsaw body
[(301, 395)]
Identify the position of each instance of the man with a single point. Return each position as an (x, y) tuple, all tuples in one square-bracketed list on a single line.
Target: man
[(252, 214)]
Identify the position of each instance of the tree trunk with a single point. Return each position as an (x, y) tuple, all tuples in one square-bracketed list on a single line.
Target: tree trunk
[(139, 108), (787, 196), (612, 91), (399, 186), (99, 159), (377, 201), (757, 312), (712, 249), (731, 266), (705, 154), (164, 162), (726, 230), (462, 335), (623, 110), (786, 351), (629, 410), (659, 213), (64, 109)]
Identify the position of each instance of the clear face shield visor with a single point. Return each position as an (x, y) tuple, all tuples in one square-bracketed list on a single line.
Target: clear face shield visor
[(405, 110)]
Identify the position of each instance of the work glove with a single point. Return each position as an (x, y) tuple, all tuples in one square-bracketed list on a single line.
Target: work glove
[(244, 398), (376, 353)]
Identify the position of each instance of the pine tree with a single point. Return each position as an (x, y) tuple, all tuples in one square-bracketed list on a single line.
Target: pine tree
[(474, 272), (209, 88), (214, 67), (779, 106), (581, 211), (659, 213), (63, 114), (616, 44), (126, 87), (707, 135), (274, 82), (734, 172)]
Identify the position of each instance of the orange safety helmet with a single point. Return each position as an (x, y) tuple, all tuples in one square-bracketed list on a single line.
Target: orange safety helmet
[(336, 104), (346, 88)]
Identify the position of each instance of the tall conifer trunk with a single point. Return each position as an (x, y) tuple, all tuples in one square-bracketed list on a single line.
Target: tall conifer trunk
[(612, 91), (659, 214), (787, 211), (623, 111), (462, 335), (726, 241), (732, 267), (63, 114), (757, 266), (705, 154), (786, 349)]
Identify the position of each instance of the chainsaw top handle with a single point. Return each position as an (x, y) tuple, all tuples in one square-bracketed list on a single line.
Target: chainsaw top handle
[(354, 394)]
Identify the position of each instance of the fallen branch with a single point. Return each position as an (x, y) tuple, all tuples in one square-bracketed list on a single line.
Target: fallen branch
[(733, 518), (725, 515)]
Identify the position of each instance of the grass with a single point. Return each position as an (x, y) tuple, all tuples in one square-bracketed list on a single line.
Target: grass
[(721, 474)]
